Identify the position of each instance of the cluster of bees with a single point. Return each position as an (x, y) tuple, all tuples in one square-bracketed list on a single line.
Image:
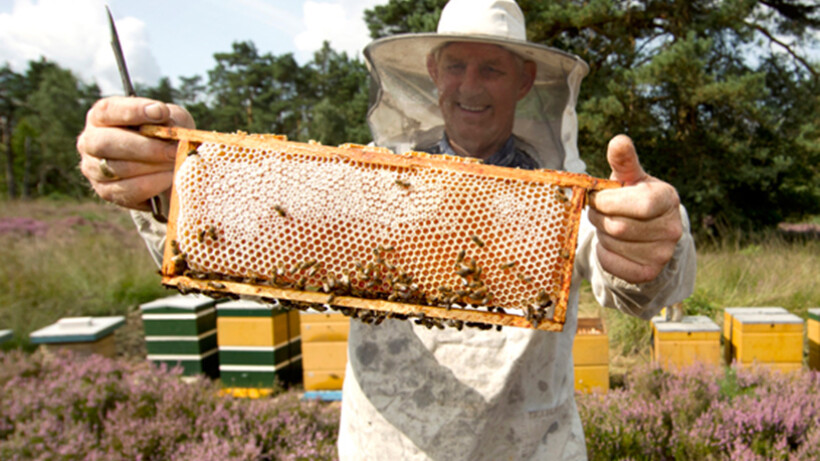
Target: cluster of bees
[(375, 279)]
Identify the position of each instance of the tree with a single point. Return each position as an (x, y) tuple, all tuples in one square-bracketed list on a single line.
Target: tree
[(12, 97), (338, 97)]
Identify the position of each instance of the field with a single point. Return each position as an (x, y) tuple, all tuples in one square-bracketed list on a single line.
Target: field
[(69, 259)]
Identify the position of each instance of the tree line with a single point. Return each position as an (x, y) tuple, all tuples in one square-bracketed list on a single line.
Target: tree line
[(719, 96)]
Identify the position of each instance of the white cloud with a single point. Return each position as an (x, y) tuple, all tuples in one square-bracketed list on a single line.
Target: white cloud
[(339, 22), (75, 35)]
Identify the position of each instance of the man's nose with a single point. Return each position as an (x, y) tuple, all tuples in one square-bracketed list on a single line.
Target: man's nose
[(471, 81)]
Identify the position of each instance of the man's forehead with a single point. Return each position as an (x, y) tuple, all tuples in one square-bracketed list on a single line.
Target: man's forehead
[(474, 51)]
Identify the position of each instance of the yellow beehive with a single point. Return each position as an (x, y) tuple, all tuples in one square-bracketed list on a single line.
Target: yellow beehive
[(814, 338), (693, 340), (590, 355), (728, 313), (324, 349), (774, 340), (258, 345)]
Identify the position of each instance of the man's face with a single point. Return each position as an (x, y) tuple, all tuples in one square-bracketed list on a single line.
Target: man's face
[(479, 86)]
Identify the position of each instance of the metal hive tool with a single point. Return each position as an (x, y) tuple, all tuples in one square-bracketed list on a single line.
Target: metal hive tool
[(443, 240)]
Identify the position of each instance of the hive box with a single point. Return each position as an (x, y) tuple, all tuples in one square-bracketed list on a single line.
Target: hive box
[(181, 331), (5, 335), (590, 354), (729, 313), (814, 338), (82, 335), (324, 349), (773, 340), (693, 340), (259, 345)]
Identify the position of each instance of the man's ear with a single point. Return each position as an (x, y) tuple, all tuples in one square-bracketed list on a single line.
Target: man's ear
[(432, 68), (529, 71)]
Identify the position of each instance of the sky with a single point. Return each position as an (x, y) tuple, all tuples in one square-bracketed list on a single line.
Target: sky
[(172, 38)]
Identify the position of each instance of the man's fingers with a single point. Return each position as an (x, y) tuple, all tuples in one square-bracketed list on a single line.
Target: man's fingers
[(122, 111), (116, 143), (654, 253), (667, 227), (626, 269), (114, 170), (623, 159), (134, 192), (647, 200)]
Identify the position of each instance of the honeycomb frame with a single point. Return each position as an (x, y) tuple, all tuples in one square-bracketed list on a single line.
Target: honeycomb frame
[(453, 267)]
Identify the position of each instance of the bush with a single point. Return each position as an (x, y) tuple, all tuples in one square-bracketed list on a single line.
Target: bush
[(68, 407), (705, 413)]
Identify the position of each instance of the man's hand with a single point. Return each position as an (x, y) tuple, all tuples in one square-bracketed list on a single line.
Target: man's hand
[(123, 166), (638, 225)]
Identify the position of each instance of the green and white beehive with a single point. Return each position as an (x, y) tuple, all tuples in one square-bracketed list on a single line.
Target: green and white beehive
[(5, 335), (82, 335), (181, 330)]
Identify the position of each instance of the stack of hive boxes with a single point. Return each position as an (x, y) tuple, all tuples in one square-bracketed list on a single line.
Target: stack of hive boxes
[(324, 349), (590, 355), (814, 338), (695, 339), (81, 335), (769, 336), (259, 344), (181, 330)]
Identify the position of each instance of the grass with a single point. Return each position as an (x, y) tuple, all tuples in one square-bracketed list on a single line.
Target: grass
[(69, 259)]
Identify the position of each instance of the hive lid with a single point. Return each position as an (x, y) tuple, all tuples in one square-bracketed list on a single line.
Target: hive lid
[(248, 308), (814, 313), (179, 304), (777, 318), (689, 323), (755, 310), (5, 335), (77, 329)]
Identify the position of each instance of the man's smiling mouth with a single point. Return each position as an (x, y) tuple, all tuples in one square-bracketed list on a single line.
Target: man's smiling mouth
[(472, 108)]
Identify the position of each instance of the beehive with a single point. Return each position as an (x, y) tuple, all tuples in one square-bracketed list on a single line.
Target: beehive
[(773, 340), (693, 340), (259, 345), (5, 335), (729, 353), (814, 338), (590, 355), (181, 331), (324, 349), (81, 335), (371, 232)]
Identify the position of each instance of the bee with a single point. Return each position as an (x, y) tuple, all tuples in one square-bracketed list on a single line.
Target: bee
[(464, 270), (524, 278), (403, 183), (212, 233), (560, 196), (508, 265), (193, 152), (281, 211), (565, 253), (200, 236), (216, 285), (180, 263), (477, 240), (330, 298), (175, 248), (460, 257)]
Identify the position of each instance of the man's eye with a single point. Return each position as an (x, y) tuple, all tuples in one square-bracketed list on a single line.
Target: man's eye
[(455, 67)]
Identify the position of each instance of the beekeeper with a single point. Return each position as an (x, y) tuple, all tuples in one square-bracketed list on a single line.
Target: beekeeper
[(476, 87)]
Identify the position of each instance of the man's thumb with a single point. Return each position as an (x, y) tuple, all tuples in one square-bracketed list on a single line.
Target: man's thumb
[(623, 159)]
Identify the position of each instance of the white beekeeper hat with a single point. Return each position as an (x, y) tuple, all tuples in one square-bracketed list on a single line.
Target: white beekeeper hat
[(404, 112)]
